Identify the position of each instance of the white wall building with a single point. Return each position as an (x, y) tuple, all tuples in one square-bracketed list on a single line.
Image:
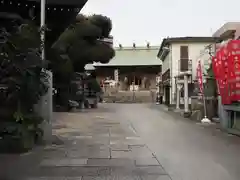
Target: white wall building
[(180, 55)]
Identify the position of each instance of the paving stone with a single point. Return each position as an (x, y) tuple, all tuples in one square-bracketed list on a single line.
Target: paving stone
[(110, 162), (116, 177), (64, 162), (133, 138), (123, 170), (134, 142), (100, 130), (123, 154), (58, 154), (96, 146), (132, 153), (156, 170), (83, 137), (117, 142), (155, 177), (118, 130), (82, 153), (119, 147), (54, 178), (141, 151), (103, 123), (69, 171), (146, 162), (137, 146), (118, 135), (100, 140), (59, 126), (103, 135), (75, 133), (119, 171), (99, 154)]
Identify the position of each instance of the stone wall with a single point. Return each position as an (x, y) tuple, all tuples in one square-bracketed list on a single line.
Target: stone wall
[(197, 108), (130, 96)]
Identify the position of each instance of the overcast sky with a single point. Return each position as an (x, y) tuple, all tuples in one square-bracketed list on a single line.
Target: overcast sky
[(151, 20)]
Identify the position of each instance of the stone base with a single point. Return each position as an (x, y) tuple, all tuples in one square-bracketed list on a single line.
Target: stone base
[(178, 110), (187, 114)]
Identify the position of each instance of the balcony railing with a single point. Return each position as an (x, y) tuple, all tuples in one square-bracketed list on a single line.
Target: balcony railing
[(184, 65)]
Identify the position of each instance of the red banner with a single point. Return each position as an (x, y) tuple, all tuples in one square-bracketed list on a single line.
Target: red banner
[(200, 76), (234, 69), (226, 67), (220, 68)]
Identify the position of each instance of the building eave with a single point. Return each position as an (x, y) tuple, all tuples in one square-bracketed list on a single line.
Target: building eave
[(60, 14), (164, 53), (76, 3), (197, 39), (162, 50)]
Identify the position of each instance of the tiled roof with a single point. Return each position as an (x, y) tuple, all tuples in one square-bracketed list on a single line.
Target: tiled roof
[(134, 57)]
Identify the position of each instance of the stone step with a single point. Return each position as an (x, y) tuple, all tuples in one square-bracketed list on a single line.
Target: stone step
[(216, 119)]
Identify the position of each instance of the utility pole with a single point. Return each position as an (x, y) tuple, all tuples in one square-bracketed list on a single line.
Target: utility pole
[(42, 28), (46, 101)]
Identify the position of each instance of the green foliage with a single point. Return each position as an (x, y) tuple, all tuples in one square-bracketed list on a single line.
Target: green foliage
[(210, 87), (22, 84), (79, 45), (22, 80), (27, 36), (92, 83), (81, 41), (103, 22)]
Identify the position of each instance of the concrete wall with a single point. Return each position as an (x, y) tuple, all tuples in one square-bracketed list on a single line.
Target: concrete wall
[(166, 63), (45, 110)]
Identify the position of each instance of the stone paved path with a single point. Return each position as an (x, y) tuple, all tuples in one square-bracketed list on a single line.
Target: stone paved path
[(125, 142), (93, 145)]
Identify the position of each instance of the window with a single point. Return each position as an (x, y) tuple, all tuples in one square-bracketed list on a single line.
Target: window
[(184, 58)]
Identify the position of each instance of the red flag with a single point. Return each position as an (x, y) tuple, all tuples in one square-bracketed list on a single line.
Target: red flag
[(200, 76)]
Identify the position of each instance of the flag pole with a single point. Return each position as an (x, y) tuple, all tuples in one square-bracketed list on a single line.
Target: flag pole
[(205, 119)]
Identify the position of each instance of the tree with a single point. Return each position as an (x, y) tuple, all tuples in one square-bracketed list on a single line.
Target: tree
[(21, 68), (210, 87), (79, 45), (103, 22), (22, 84), (81, 42)]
